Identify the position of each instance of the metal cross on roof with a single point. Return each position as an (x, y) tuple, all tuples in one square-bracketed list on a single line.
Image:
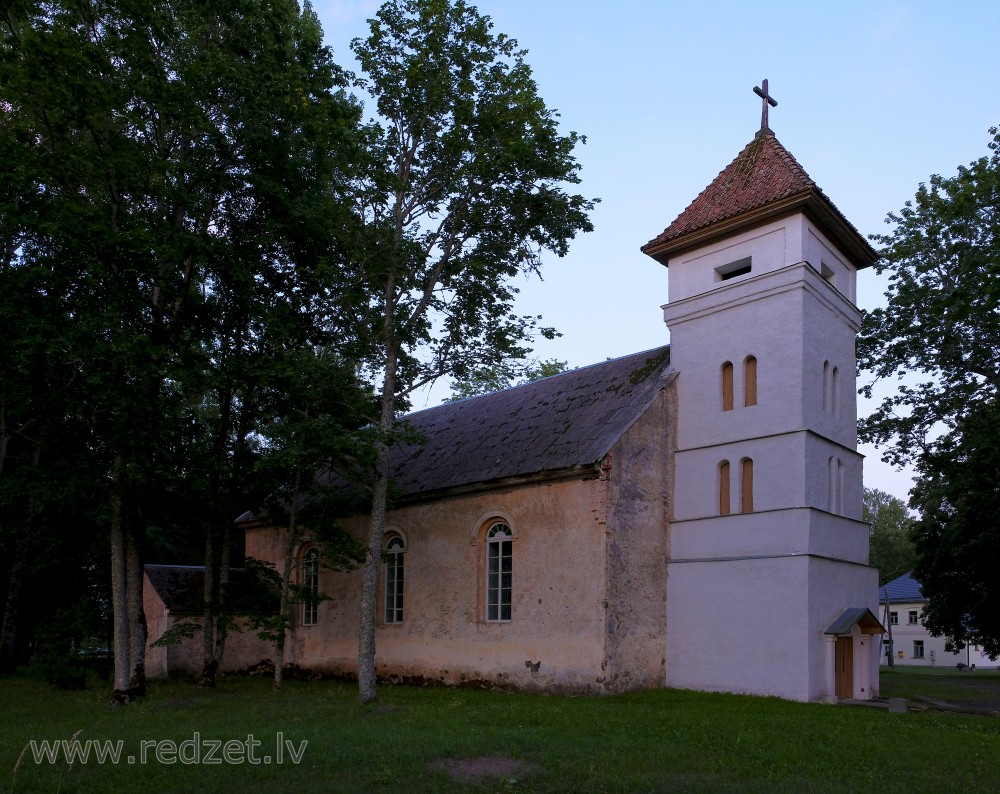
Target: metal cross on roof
[(765, 100)]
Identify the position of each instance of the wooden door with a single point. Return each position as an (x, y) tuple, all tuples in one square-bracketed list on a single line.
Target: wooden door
[(845, 667)]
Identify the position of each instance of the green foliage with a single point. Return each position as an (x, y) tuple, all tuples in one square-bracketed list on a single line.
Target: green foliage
[(890, 544), (463, 191), (170, 231), (942, 327), (942, 320), (958, 533), (183, 630), (485, 380)]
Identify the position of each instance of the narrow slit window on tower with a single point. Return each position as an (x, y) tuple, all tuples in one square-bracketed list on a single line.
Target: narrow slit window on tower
[(733, 269), (840, 487), (746, 485), (835, 392), (826, 385), (724, 488), (835, 497), (727, 386), (750, 381), (831, 485)]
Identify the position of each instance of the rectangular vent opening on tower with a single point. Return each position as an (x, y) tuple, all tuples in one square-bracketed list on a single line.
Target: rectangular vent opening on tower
[(738, 268)]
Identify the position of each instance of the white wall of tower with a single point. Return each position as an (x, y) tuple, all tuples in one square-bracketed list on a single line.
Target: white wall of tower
[(765, 580)]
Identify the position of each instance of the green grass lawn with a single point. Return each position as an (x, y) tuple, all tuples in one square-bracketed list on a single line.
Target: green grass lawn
[(649, 741), (943, 683)]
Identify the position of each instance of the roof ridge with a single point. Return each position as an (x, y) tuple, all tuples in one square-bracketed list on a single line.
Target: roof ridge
[(791, 160), (539, 380)]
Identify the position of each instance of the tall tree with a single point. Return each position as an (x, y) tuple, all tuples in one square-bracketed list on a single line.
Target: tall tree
[(185, 162), (942, 323), (316, 429), (942, 318), (957, 536), (890, 545), (464, 191)]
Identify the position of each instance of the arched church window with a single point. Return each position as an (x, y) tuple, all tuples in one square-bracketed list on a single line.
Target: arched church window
[(394, 561), (310, 586), (750, 381), (724, 508), (746, 485), (727, 386), (499, 572)]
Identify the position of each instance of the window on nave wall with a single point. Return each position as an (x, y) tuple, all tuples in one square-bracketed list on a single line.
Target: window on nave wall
[(499, 572), (394, 570), (310, 586)]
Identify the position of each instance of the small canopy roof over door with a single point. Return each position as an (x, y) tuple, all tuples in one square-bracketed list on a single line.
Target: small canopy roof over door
[(861, 617)]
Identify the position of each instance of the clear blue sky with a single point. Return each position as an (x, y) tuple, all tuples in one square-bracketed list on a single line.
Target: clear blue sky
[(873, 98)]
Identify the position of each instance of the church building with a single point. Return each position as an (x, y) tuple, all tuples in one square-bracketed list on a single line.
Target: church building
[(688, 516)]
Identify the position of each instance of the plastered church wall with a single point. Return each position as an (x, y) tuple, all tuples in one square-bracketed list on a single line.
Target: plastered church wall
[(588, 582)]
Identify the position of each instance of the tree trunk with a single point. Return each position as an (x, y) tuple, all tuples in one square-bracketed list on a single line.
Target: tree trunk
[(119, 586), (136, 613), (221, 628), (286, 581), (210, 597), (367, 684), (8, 634)]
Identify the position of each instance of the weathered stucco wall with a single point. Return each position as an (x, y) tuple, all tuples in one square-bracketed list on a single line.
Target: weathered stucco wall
[(243, 649), (638, 472), (157, 622), (555, 639)]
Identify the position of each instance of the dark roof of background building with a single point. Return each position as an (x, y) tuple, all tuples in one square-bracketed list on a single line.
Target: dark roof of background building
[(179, 587), (566, 420), (902, 588), (764, 181)]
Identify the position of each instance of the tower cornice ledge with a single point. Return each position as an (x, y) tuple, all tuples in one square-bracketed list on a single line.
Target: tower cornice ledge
[(800, 275)]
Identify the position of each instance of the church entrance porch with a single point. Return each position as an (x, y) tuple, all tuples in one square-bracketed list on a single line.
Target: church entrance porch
[(851, 640)]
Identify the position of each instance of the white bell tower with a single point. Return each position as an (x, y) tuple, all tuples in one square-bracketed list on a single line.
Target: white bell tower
[(767, 547)]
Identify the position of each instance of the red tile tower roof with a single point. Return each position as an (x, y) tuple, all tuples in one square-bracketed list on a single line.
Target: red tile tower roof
[(764, 182)]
